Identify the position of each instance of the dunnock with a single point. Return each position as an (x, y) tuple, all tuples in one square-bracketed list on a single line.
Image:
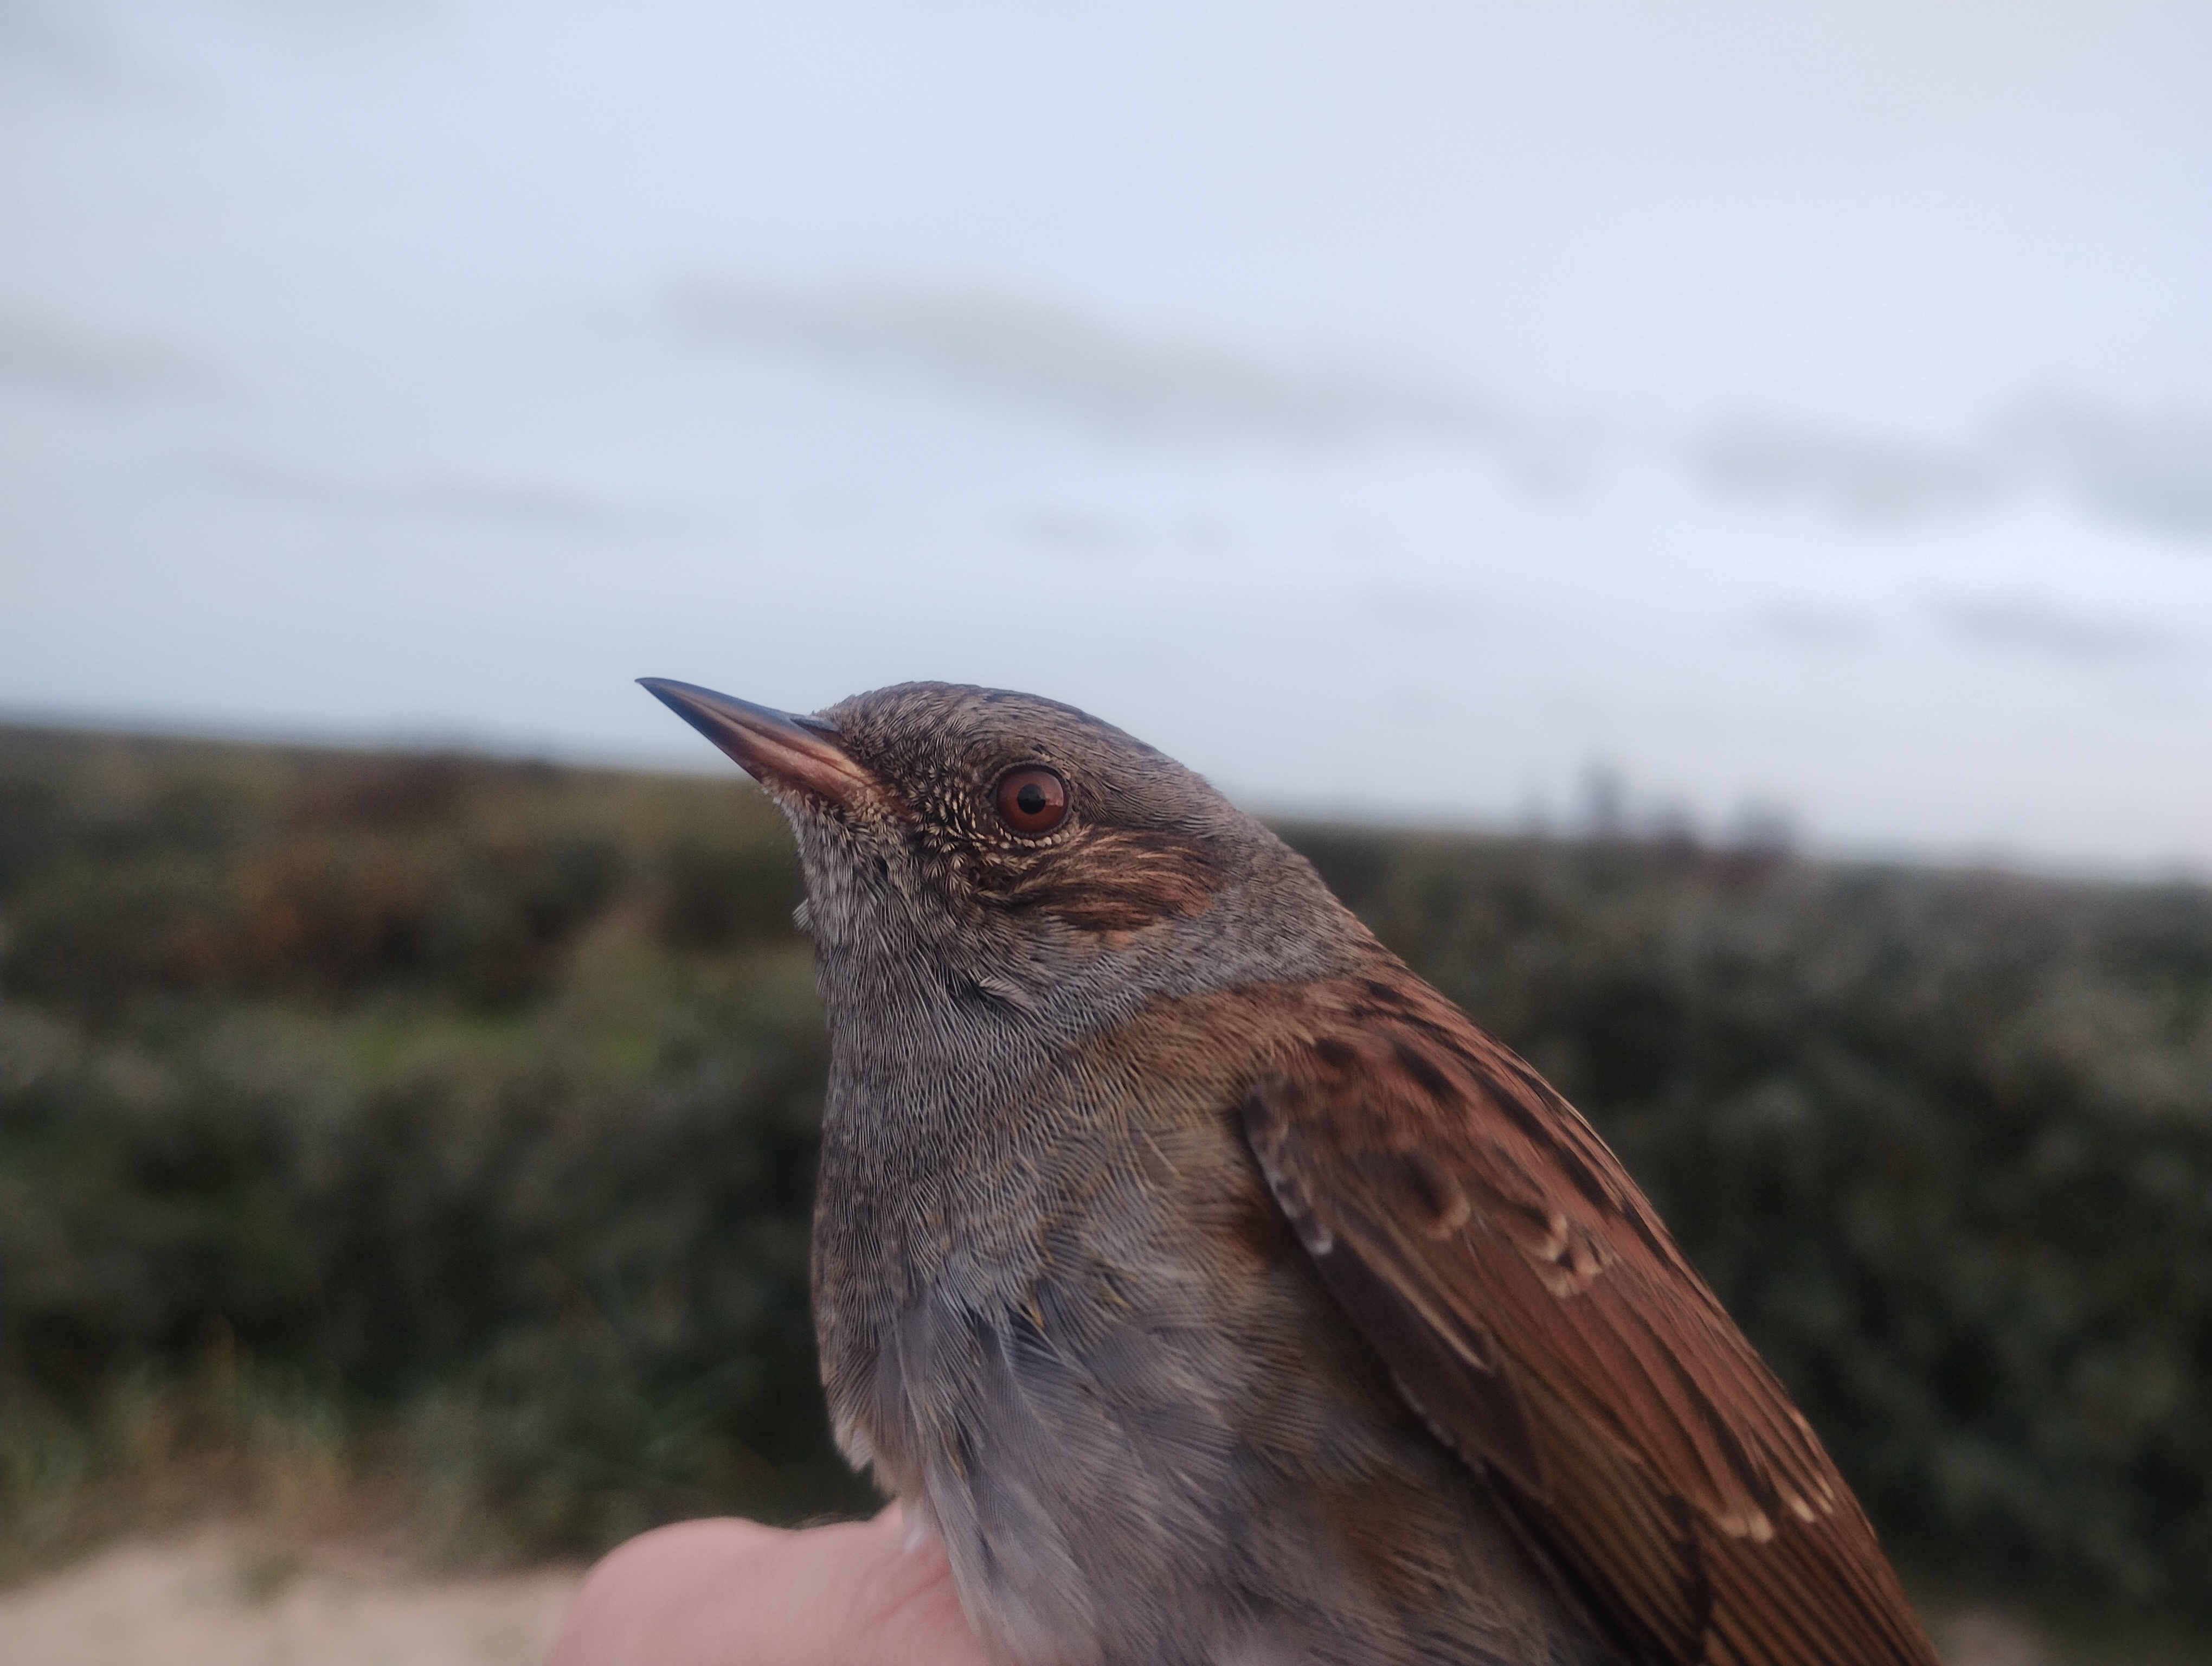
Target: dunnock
[(1214, 1287)]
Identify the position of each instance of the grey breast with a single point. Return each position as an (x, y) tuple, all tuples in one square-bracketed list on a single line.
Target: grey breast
[(1131, 1455)]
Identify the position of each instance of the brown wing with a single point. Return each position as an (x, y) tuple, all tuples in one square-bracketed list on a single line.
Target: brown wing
[(1532, 1306)]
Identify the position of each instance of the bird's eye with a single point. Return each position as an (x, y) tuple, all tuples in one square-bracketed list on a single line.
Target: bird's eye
[(1031, 799)]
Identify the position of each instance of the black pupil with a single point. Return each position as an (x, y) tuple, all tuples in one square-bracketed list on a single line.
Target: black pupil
[(1029, 799)]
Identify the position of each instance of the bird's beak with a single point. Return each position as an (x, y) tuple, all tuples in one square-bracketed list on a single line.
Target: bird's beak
[(783, 752)]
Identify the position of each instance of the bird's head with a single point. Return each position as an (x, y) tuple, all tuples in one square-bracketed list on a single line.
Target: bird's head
[(995, 847)]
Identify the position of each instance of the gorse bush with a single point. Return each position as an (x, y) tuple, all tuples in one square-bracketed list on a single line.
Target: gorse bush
[(464, 1093), (474, 1104)]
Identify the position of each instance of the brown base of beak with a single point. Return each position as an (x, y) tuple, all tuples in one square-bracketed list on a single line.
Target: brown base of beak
[(784, 752)]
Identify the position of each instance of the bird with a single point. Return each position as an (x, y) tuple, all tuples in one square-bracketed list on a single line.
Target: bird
[(1219, 1292)]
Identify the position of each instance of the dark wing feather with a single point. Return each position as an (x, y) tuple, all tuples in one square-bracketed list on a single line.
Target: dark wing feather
[(1532, 1306)]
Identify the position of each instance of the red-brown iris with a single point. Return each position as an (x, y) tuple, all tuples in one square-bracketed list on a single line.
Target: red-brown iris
[(1031, 799)]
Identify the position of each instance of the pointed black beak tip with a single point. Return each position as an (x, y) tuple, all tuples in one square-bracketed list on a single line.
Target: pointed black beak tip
[(695, 705), (780, 750), (669, 691)]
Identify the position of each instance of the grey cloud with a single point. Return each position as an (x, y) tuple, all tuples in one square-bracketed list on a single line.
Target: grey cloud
[(1060, 359), (1072, 531), (491, 499), (1813, 626), (445, 496), (1859, 475), (95, 48), (51, 38), (2146, 470), (2153, 471), (1422, 612), (46, 356), (2026, 624)]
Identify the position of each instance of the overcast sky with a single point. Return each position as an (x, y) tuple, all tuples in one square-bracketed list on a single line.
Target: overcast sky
[(1411, 411)]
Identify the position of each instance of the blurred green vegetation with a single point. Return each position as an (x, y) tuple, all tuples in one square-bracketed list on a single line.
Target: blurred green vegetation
[(443, 1127)]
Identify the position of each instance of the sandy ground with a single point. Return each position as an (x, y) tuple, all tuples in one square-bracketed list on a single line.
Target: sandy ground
[(219, 1597), (216, 1599)]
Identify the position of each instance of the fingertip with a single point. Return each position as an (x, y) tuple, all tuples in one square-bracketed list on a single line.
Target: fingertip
[(632, 1595), (906, 1610), (715, 1592)]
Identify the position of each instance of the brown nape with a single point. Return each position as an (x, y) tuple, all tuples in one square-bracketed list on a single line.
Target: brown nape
[(1105, 879)]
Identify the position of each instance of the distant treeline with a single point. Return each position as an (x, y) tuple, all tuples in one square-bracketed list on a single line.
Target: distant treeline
[(474, 1104)]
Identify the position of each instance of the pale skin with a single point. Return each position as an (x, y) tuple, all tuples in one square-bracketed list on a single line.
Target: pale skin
[(725, 1592)]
